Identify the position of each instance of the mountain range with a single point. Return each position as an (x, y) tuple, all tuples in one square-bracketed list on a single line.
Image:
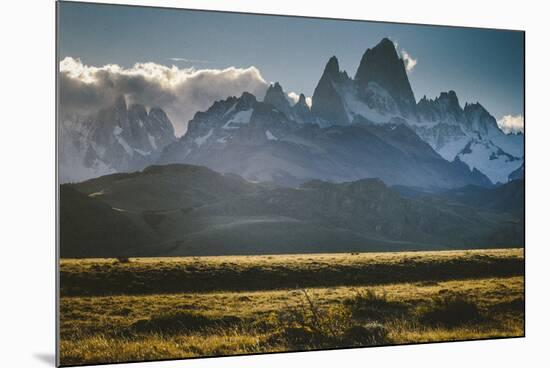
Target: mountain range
[(364, 168), (118, 138), (368, 126)]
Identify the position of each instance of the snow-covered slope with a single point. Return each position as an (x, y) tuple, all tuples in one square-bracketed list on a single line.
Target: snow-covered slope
[(381, 92), (115, 139), (489, 159), (471, 134), (269, 141)]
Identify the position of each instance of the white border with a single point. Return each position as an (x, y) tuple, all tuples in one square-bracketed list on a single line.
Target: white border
[(27, 182)]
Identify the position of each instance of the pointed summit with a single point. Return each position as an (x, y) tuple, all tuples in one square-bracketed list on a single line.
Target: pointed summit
[(373, 61), (326, 102), (445, 108), (302, 110), (332, 68), (451, 97), (301, 100), (382, 65), (387, 45), (274, 91), (478, 119), (247, 100), (276, 97)]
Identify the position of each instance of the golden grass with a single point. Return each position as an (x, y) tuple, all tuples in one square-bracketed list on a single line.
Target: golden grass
[(294, 260), (245, 273), (99, 348), (98, 329)]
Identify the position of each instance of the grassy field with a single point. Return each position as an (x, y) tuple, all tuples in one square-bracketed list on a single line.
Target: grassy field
[(163, 308)]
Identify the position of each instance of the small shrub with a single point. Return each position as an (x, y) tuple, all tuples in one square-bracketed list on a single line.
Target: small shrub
[(373, 306), (308, 326), (451, 311), (123, 259)]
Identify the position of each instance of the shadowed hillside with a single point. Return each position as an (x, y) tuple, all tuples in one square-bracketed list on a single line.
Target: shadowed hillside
[(192, 210)]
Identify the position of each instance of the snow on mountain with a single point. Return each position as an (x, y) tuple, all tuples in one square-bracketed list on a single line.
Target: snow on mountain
[(381, 91), (73, 163), (241, 117), (270, 136), (489, 159), (201, 140), (471, 134), (115, 139), (269, 140), (277, 140)]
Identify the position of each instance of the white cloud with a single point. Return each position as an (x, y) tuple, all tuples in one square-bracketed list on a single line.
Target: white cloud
[(410, 62), (395, 44), (180, 92), (294, 97), (511, 124)]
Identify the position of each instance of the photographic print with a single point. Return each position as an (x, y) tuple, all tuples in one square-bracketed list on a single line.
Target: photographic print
[(235, 183)]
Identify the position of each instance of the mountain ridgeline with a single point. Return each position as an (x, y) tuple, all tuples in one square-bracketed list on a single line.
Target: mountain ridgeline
[(181, 210), (364, 168), (369, 126), (117, 138), (346, 134)]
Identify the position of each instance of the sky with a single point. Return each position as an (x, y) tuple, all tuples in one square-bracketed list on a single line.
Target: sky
[(216, 53)]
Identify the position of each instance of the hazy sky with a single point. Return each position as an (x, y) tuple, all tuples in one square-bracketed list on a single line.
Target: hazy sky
[(480, 65)]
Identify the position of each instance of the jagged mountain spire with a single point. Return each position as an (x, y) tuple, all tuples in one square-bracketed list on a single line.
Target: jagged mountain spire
[(326, 101), (302, 110), (301, 100), (382, 65), (332, 68), (246, 101), (277, 98), (480, 120)]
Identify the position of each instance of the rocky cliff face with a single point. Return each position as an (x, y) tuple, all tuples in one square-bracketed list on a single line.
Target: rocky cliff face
[(379, 91), (381, 66), (328, 102)]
